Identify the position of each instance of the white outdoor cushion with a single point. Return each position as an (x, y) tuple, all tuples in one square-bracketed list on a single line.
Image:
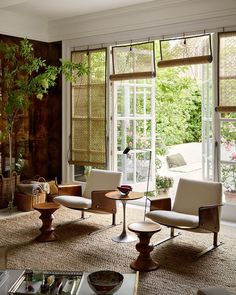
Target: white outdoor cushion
[(172, 218), (73, 202), (101, 180)]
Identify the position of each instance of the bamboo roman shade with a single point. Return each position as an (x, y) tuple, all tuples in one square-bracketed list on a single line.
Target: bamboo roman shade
[(133, 61), (227, 72), (88, 113), (185, 51)]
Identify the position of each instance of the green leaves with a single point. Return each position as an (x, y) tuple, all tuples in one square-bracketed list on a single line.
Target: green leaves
[(164, 182), (178, 107), (26, 76), (72, 70)]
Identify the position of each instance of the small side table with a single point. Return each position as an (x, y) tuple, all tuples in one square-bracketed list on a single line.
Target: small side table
[(47, 230), (144, 231), (124, 237)]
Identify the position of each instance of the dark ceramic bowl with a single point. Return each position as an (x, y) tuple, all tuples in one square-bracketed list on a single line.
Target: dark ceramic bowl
[(105, 281), (125, 189)]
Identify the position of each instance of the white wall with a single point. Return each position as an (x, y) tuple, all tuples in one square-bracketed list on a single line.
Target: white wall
[(228, 213), (18, 25)]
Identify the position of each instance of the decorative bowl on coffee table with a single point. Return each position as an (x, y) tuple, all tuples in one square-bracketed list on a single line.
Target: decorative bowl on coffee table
[(105, 281)]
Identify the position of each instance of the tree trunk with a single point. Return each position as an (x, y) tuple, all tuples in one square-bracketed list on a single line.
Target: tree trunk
[(11, 197)]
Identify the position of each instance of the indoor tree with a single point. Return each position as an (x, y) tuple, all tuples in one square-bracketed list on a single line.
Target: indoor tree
[(24, 77)]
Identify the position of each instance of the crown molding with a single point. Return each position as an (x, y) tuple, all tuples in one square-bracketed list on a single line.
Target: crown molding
[(154, 16), (120, 11), (151, 19)]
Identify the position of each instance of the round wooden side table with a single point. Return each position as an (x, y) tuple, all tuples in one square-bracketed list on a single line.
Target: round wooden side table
[(125, 236), (144, 230), (47, 230)]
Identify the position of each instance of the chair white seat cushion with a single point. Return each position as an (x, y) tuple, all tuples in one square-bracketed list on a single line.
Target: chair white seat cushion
[(73, 202), (172, 218)]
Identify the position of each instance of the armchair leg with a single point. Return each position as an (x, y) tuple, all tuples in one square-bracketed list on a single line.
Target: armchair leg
[(215, 239), (82, 214), (76, 220), (214, 246), (114, 219), (172, 236)]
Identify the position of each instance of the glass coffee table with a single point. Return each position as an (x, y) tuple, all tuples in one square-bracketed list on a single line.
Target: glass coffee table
[(124, 237)]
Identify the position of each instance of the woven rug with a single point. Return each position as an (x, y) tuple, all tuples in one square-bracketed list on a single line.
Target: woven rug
[(179, 273)]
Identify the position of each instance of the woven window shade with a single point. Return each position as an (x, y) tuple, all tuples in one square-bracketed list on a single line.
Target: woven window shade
[(185, 51), (134, 61), (227, 72), (88, 113)]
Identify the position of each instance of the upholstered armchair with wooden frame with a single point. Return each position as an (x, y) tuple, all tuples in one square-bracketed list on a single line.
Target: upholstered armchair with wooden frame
[(196, 208), (93, 198)]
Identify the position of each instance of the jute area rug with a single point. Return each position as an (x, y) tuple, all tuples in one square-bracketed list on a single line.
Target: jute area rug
[(179, 273)]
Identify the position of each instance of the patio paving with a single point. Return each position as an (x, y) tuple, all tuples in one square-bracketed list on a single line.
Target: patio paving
[(192, 154)]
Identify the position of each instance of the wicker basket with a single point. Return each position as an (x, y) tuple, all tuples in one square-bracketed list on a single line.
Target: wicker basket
[(26, 202), (5, 188)]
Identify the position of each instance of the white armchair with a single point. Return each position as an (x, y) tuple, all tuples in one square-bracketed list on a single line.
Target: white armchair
[(196, 208), (93, 199)]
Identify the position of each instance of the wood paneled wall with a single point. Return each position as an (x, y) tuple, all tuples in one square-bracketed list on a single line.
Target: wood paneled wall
[(40, 133)]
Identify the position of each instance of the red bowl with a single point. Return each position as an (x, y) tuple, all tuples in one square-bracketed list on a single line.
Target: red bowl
[(125, 189)]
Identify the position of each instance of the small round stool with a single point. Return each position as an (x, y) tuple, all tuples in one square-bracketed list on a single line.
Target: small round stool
[(47, 231), (144, 230)]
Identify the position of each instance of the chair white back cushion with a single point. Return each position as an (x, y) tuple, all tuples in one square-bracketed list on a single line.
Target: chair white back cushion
[(101, 180), (192, 194)]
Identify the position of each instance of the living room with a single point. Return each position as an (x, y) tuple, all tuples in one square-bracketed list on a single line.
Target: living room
[(65, 30)]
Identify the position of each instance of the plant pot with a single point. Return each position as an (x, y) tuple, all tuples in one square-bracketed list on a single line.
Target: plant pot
[(230, 197), (163, 192), (5, 188)]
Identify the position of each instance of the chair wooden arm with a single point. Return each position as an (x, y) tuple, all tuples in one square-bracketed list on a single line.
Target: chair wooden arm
[(160, 204), (101, 203), (69, 189), (209, 217)]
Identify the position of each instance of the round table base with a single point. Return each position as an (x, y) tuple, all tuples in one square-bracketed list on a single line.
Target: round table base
[(147, 266), (47, 230), (47, 236), (125, 238)]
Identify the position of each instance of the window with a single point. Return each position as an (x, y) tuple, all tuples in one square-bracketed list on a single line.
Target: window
[(227, 107), (227, 72), (88, 113)]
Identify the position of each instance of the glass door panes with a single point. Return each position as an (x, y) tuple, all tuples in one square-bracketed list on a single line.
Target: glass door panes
[(134, 128), (228, 155), (125, 133), (207, 122), (227, 117)]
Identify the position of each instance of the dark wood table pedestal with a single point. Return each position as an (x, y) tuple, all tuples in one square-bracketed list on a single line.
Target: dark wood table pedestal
[(47, 230), (144, 231)]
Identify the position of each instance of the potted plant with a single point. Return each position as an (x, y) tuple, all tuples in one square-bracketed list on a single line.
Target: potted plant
[(25, 77), (228, 177), (163, 183)]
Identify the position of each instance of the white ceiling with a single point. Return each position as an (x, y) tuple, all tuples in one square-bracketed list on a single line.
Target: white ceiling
[(57, 9)]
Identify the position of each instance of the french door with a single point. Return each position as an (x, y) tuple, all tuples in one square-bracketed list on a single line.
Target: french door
[(134, 127), (208, 134)]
